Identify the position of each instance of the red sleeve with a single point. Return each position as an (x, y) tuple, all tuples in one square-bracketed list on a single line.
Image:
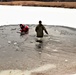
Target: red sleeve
[(27, 27)]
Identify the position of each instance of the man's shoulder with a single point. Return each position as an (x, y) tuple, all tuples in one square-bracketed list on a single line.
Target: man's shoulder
[(37, 25)]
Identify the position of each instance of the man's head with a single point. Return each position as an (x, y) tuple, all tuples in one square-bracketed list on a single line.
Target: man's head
[(21, 26), (40, 22)]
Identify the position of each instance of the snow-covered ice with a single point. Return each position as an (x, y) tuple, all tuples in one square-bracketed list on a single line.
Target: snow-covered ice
[(31, 15)]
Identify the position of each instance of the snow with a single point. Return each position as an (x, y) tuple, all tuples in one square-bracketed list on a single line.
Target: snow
[(31, 15), (28, 72)]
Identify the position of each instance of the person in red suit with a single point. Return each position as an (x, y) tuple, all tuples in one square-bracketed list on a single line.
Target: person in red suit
[(24, 29)]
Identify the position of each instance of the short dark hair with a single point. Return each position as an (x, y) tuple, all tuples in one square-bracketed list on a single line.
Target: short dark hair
[(40, 21), (20, 24)]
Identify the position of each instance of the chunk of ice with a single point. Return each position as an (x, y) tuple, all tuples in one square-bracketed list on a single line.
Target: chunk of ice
[(9, 42)]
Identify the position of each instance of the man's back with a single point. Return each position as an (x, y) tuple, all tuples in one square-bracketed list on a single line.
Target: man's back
[(39, 29)]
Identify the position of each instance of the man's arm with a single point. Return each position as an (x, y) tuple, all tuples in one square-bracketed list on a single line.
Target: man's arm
[(45, 30), (36, 28)]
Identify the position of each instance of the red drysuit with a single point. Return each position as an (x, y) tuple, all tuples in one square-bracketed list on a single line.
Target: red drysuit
[(24, 28)]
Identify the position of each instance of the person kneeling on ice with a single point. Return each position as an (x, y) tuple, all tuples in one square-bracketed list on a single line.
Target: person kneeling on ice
[(39, 30), (24, 29)]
